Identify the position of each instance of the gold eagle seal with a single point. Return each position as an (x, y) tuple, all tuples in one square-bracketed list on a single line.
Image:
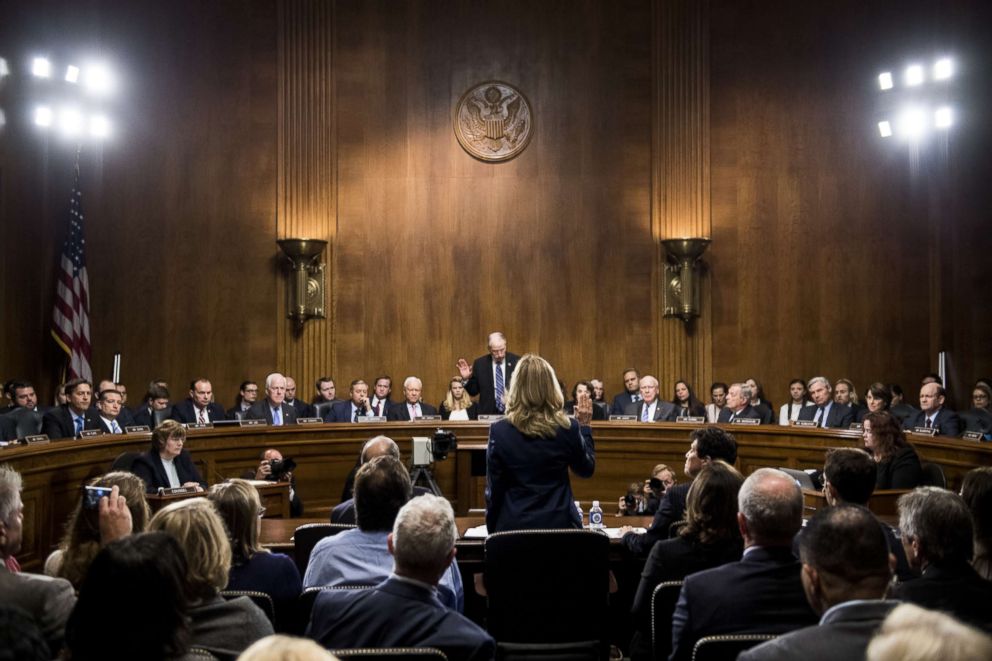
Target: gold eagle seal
[(493, 121)]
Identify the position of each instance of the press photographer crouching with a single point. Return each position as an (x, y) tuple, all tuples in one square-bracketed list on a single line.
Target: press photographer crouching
[(274, 468), (642, 500)]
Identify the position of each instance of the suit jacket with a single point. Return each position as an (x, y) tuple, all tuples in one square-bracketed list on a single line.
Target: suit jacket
[(340, 412), (902, 471), (955, 588), (481, 382), (400, 411), (148, 466), (107, 429), (979, 420), (262, 411), (185, 412), (670, 509), (760, 594), (663, 411), (143, 416), (946, 421), (57, 423), (746, 412), (840, 416), (396, 613), (843, 633), (303, 410), (48, 600), (622, 401)]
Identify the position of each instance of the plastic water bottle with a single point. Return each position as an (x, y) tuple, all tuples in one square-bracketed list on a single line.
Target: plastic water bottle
[(582, 516), (596, 516)]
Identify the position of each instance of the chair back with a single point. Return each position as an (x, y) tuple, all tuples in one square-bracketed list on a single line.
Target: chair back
[(933, 475), (675, 527), (310, 595), (261, 599), (581, 651), (547, 586), (124, 461), (322, 409), (663, 601), (26, 422), (160, 416), (393, 653), (726, 647), (307, 536)]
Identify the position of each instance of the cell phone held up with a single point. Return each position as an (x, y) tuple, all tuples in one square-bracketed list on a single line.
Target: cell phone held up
[(92, 496)]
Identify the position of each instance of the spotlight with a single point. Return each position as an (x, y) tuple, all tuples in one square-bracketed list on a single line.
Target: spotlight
[(41, 67), (914, 75), (912, 124), (885, 80), (943, 69), (99, 126), (72, 74), (885, 129), (943, 118), (98, 79), (70, 121), (43, 116)]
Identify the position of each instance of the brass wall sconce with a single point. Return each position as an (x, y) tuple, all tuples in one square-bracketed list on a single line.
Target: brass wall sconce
[(306, 289), (681, 285)]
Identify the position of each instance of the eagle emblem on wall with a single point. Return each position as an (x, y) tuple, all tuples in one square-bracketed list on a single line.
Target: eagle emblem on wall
[(493, 121)]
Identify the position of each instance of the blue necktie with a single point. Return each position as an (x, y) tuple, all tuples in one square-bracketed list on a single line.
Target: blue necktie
[(499, 387), (277, 416), (114, 428), (644, 413), (79, 426)]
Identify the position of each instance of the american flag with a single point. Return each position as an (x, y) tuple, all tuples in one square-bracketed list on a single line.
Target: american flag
[(71, 316)]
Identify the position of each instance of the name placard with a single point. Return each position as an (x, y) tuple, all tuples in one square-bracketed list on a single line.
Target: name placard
[(691, 420), (427, 417), (89, 433), (137, 429), (805, 423), (34, 439), (925, 431), (746, 421), (856, 426), (972, 436), (197, 425), (490, 417), (175, 491), (252, 423), (623, 418), (371, 418), (309, 421)]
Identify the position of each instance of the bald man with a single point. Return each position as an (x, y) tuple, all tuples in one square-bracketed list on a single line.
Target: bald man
[(933, 414)]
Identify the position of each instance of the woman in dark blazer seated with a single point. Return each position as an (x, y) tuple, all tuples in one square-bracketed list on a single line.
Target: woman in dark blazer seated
[(686, 404), (458, 404), (531, 451), (896, 462), (878, 398), (583, 387), (166, 465)]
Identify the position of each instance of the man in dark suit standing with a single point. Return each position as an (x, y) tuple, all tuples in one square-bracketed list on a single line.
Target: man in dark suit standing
[(357, 406), (827, 412), (763, 593), (846, 570), (631, 392), (933, 414), (738, 404), (199, 408), (411, 407), (69, 420), (273, 409), (489, 376), (649, 408)]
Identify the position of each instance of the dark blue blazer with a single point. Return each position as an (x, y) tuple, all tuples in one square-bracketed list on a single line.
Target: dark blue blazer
[(262, 411), (340, 412), (946, 421), (527, 483), (399, 411), (840, 416), (663, 411), (276, 575), (623, 400), (185, 413), (303, 410), (955, 588), (396, 613), (148, 467), (746, 412), (143, 416), (481, 382), (57, 423)]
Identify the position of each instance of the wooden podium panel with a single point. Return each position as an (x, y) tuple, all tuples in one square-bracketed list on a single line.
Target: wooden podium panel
[(274, 497)]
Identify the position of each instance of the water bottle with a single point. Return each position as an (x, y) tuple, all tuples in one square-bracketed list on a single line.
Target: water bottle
[(596, 516), (582, 520)]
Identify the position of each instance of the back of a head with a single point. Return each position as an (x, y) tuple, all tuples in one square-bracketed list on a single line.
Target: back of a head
[(382, 487), (133, 603), (715, 443), (940, 523), (379, 446), (847, 545), (10, 489), (285, 648), (772, 505), (852, 473), (200, 532), (534, 402), (911, 633), (976, 489), (423, 536), (238, 504), (711, 506)]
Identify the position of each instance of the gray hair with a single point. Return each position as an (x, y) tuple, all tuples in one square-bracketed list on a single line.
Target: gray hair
[(772, 504), (392, 449), (271, 377), (495, 335), (410, 379), (745, 391), (940, 523), (424, 534), (819, 379), (10, 489)]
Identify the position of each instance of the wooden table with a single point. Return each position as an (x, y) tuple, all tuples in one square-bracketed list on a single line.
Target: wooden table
[(274, 497)]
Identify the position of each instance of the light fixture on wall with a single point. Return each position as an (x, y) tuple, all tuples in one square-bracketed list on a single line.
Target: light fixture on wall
[(306, 289), (681, 285)]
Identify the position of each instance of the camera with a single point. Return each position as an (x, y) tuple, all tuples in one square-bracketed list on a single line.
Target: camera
[(92, 496), (631, 502), (280, 467), (656, 485), (442, 443)]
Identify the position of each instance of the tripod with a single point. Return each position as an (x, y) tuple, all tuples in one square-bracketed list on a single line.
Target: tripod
[(425, 473)]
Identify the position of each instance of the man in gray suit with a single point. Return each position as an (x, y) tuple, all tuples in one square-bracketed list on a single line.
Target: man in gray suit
[(846, 570), (650, 408), (273, 409)]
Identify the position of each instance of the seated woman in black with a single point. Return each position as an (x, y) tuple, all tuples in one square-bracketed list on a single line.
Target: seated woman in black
[(167, 465), (583, 387), (686, 404), (896, 462)]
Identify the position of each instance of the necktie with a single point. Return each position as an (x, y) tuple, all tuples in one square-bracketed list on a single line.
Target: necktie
[(201, 417), (355, 417), (277, 416), (376, 408), (644, 413), (733, 416), (929, 423), (413, 411), (114, 428), (499, 387), (819, 416), (79, 426)]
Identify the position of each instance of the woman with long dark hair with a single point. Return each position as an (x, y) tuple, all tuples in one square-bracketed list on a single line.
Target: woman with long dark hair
[(896, 462)]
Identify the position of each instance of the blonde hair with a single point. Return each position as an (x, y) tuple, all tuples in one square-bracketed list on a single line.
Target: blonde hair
[(238, 504), (911, 633), (453, 404), (286, 648), (199, 530), (534, 403)]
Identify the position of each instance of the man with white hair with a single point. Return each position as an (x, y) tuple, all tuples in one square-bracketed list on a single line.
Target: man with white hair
[(489, 376), (737, 404), (403, 610), (411, 407), (273, 409), (649, 408), (827, 412)]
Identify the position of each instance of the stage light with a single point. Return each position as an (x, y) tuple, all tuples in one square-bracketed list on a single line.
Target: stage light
[(71, 74), (98, 79), (41, 67), (885, 129), (885, 80), (914, 75), (943, 118), (943, 69), (70, 121), (99, 126), (912, 124), (43, 116)]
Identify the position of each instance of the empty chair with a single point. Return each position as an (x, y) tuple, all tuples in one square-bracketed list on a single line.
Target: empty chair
[(26, 422), (307, 536), (663, 600), (321, 410), (124, 461), (933, 476), (726, 647), (583, 651)]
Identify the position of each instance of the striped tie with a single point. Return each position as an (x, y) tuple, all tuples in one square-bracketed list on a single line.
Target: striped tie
[(499, 387)]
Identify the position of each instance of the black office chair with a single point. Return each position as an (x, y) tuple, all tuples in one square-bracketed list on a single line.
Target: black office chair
[(8, 429), (310, 595), (933, 475), (726, 647), (978, 420), (306, 537), (261, 599), (124, 461), (392, 653), (547, 586), (160, 416), (200, 653), (675, 527), (26, 422), (322, 409), (582, 651), (663, 601)]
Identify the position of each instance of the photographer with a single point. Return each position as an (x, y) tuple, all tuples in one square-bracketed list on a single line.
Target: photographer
[(646, 502), (276, 469)]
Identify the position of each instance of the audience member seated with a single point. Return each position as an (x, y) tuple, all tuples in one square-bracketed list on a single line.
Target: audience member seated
[(643, 499), (303, 410), (846, 571), (686, 404), (403, 610), (82, 538), (273, 409), (23, 396), (359, 556), (224, 628), (707, 445), (599, 397), (709, 538), (47, 600), (133, 603), (380, 402), (458, 404), (737, 405), (357, 405), (760, 403), (411, 407), (273, 469), (631, 393), (69, 420), (763, 592), (286, 648), (798, 398), (937, 533), (253, 567), (108, 409), (156, 399), (897, 464), (326, 391), (979, 418), (718, 399), (849, 479), (977, 493), (911, 633), (933, 414), (649, 408), (20, 637), (124, 417), (167, 465), (199, 408), (846, 395), (584, 387), (878, 398), (825, 412), (247, 397)]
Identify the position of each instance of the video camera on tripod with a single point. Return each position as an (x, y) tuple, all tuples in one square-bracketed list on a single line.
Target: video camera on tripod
[(428, 450)]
